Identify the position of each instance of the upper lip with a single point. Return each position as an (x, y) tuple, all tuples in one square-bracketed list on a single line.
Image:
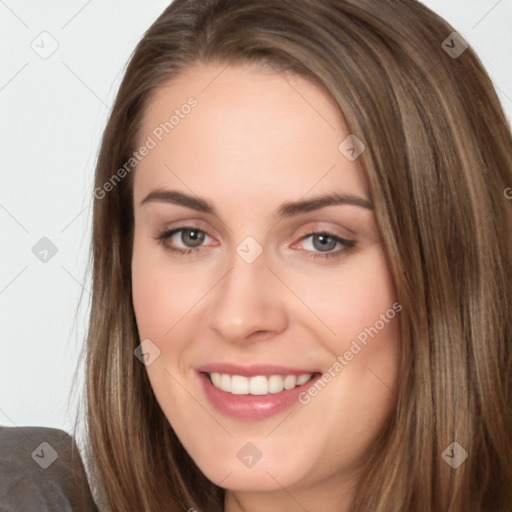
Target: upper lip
[(253, 369)]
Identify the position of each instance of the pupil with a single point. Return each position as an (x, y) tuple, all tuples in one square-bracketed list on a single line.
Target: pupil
[(194, 236), (324, 244)]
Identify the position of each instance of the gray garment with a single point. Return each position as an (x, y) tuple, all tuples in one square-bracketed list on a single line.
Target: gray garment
[(41, 470)]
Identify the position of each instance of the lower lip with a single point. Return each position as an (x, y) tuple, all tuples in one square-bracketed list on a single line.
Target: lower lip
[(251, 407)]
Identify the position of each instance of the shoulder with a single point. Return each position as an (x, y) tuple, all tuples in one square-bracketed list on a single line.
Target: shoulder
[(41, 470)]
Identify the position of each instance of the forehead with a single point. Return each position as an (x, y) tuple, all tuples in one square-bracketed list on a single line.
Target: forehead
[(249, 129)]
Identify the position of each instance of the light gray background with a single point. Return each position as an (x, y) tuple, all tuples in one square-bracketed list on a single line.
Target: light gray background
[(53, 112)]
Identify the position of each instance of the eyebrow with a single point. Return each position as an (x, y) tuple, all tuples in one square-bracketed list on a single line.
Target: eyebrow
[(287, 209)]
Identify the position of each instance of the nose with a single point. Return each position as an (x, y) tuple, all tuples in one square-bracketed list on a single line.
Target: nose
[(249, 302)]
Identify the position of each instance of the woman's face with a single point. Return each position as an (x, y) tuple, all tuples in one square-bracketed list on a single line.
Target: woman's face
[(284, 281)]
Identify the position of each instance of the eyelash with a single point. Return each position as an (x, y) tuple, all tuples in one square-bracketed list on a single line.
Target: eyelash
[(349, 245)]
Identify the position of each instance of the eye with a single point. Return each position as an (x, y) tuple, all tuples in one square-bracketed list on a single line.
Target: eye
[(323, 243), (190, 237)]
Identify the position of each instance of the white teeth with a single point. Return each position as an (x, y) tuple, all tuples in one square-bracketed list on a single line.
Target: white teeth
[(216, 379), (258, 385), (275, 384), (225, 382), (290, 382), (239, 385), (302, 379)]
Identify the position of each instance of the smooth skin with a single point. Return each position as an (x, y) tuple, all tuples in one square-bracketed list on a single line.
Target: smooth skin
[(255, 140)]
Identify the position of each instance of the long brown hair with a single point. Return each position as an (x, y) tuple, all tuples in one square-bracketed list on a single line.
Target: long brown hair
[(437, 162)]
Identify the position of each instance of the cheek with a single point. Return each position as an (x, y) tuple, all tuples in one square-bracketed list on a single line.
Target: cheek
[(350, 301), (163, 292), (360, 330)]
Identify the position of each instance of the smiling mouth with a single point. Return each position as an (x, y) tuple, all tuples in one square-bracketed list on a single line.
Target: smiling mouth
[(258, 384)]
